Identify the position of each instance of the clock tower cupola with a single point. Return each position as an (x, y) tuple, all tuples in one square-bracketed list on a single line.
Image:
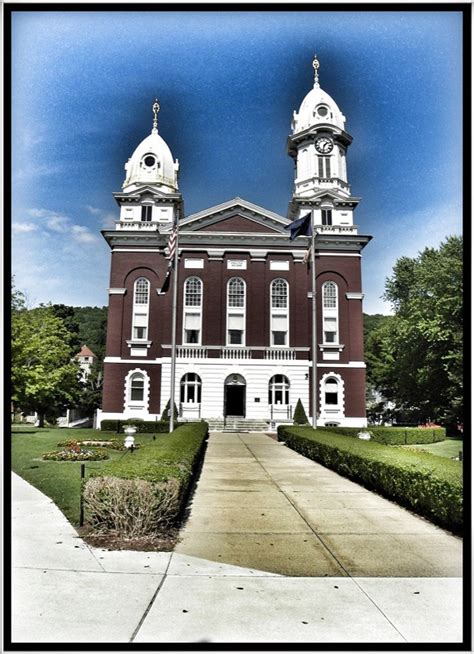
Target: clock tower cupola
[(318, 144)]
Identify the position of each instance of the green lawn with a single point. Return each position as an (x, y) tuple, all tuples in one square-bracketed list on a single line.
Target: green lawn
[(61, 480), (449, 448)]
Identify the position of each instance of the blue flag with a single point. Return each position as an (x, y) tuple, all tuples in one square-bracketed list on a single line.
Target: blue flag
[(300, 227)]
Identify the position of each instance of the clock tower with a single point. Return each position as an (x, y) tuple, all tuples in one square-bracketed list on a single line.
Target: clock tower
[(318, 144)]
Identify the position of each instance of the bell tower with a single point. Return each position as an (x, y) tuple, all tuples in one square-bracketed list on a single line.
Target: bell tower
[(318, 144)]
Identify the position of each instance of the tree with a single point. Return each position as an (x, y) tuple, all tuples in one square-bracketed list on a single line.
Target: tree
[(299, 416), (415, 358), (166, 412), (45, 378), (68, 317), (90, 398)]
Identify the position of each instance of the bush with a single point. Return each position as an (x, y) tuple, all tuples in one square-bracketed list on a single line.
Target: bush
[(165, 416), (395, 435), (164, 468), (425, 483), (130, 507), (143, 426), (299, 417)]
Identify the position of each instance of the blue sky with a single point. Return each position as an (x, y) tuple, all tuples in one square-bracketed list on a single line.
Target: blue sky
[(228, 82)]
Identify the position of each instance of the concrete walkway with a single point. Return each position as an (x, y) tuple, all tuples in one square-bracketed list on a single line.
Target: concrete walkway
[(276, 549)]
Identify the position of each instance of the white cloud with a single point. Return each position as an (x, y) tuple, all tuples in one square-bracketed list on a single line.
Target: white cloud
[(24, 227), (82, 234), (93, 210), (410, 234), (107, 219)]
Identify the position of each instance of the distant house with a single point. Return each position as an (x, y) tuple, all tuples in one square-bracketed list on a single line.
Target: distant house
[(86, 359)]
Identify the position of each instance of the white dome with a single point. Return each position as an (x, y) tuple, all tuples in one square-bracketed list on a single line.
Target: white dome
[(152, 163), (317, 108)]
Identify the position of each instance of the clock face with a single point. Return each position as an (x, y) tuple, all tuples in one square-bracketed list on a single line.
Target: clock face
[(324, 145)]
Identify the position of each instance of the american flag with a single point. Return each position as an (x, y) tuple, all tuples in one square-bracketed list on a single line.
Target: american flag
[(172, 242), (171, 252)]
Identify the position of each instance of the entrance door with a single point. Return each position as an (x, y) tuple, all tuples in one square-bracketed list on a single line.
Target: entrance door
[(234, 396)]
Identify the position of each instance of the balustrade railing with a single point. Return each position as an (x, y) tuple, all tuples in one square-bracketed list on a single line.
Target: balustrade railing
[(280, 354), (191, 352), (236, 353)]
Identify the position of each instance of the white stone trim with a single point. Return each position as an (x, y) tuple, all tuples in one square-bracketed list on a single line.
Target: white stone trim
[(351, 364), (127, 403), (338, 254), (120, 360), (336, 409), (117, 291), (355, 296)]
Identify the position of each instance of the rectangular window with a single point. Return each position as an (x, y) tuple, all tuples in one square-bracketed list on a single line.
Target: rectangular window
[(191, 335), (324, 167), (146, 213), (139, 333), (326, 216), (279, 338), (330, 330), (235, 336), (331, 398)]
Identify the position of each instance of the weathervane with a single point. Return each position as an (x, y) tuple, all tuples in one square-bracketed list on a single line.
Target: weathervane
[(316, 66), (155, 108)]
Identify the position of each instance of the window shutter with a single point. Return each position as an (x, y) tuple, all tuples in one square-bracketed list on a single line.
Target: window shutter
[(235, 321), (140, 320), (192, 321), (279, 323)]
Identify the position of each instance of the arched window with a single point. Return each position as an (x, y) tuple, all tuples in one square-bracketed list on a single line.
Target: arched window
[(279, 390), (236, 311), (279, 316), (330, 313), (141, 291), (191, 388), (331, 391), (137, 387), (141, 301), (192, 311)]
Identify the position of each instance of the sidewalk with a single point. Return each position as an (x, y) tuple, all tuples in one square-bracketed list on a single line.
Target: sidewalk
[(276, 549)]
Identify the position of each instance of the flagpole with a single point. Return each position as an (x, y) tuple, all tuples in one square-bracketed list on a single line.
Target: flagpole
[(173, 323), (314, 340)]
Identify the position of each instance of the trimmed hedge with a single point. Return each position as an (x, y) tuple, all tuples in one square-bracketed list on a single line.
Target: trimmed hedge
[(143, 426), (395, 435), (423, 482), (165, 469)]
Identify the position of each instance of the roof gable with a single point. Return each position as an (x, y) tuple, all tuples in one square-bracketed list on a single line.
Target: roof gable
[(235, 215)]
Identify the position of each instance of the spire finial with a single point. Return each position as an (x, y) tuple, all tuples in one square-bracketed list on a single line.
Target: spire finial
[(316, 66), (155, 108)]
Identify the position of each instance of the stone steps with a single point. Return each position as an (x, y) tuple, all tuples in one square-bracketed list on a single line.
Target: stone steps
[(237, 425)]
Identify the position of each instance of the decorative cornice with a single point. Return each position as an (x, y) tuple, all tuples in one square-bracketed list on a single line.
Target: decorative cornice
[(117, 291), (355, 296)]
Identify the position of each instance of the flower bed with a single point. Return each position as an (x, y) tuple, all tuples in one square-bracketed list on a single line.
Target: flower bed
[(75, 455)]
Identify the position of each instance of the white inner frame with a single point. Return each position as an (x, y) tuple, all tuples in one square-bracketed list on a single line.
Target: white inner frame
[(141, 310), (238, 311), (192, 311), (186, 384), (330, 313), (280, 314)]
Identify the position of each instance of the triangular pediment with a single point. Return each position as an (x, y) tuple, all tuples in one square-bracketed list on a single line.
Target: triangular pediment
[(144, 190), (236, 216)]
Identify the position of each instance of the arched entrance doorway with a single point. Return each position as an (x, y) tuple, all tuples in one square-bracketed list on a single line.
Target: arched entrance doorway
[(234, 396)]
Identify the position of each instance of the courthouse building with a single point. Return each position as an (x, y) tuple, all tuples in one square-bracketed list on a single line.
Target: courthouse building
[(244, 291)]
